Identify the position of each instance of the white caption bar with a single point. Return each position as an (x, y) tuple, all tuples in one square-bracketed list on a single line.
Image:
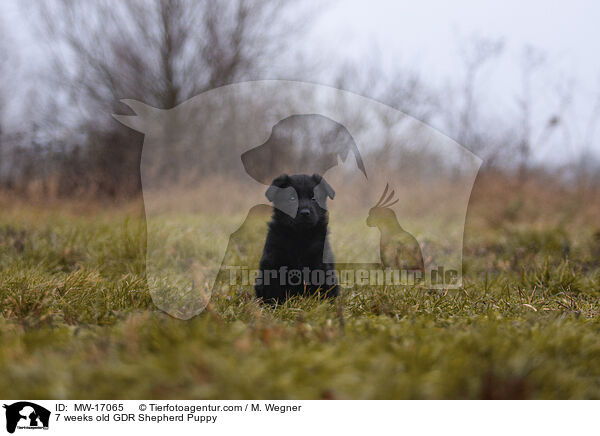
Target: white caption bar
[(23, 417)]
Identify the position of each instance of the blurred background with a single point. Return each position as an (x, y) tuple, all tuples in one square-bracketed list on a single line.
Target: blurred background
[(517, 84)]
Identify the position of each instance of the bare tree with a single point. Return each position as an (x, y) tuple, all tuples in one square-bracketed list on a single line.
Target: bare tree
[(462, 114), (531, 60), (164, 51), (159, 51), (475, 54), (4, 81)]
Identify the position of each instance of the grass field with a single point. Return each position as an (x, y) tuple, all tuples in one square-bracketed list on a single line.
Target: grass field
[(77, 321)]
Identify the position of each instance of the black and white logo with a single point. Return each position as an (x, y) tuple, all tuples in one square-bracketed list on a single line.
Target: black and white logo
[(26, 415)]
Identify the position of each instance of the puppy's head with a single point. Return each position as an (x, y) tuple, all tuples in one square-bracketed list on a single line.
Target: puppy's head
[(300, 200)]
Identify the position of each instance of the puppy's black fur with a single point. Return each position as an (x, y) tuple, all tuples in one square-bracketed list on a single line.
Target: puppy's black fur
[(297, 241)]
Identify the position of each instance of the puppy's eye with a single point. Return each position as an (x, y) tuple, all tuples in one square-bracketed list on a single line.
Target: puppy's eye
[(314, 198)]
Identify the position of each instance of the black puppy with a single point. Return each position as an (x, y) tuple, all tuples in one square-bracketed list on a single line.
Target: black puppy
[(292, 262)]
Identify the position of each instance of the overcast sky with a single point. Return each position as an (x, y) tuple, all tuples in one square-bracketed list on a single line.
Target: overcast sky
[(425, 36)]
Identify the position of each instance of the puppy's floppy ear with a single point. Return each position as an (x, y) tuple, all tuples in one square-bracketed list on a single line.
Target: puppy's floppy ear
[(280, 182), (322, 183)]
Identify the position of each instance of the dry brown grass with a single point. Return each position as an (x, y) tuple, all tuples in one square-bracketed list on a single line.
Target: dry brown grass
[(497, 200)]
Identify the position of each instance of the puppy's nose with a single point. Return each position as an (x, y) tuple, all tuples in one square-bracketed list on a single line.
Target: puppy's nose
[(305, 212)]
